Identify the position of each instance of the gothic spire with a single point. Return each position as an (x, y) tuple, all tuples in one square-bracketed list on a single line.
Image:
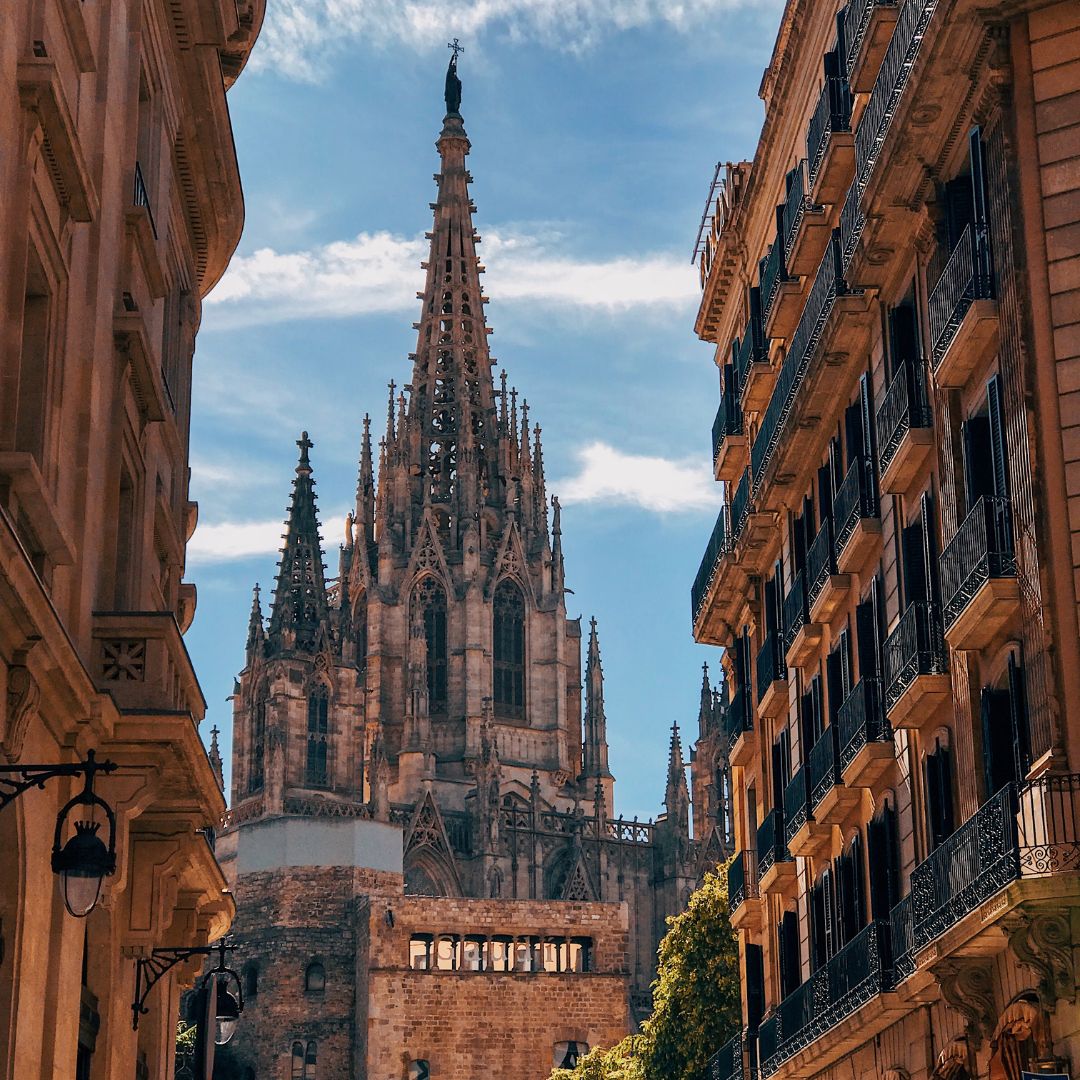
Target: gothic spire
[(595, 748), (365, 487), (705, 710), (300, 607), (677, 796), (215, 757), (256, 631)]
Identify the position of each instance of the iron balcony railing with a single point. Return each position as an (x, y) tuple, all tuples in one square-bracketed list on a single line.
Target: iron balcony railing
[(742, 880), (852, 223), (855, 500), (771, 843), (141, 197), (823, 765), (740, 506), (770, 662), (795, 206), (856, 974), (981, 549), (753, 347), (729, 1062), (828, 285), (820, 562), (905, 406), (861, 719), (717, 546), (728, 420), (796, 610), (916, 647), (738, 719), (856, 23), (967, 277), (772, 271), (832, 115), (797, 803), (902, 940), (911, 24)]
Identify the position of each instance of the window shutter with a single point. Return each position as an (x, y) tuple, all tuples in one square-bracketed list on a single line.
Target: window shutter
[(818, 952), (998, 453), (825, 491), (844, 649), (866, 415), (858, 900), (828, 898), (807, 733), (818, 703), (878, 868), (755, 986), (789, 930), (939, 790), (769, 605), (866, 636), (903, 336), (977, 154), (1018, 718), (854, 432), (929, 538), (834, 683), (890, 833), (914, 564)]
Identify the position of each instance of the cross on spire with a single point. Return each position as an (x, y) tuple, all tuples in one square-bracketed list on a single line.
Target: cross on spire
[(456, 46)]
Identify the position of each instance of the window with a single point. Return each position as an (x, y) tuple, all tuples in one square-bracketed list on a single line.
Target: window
[(317, 726), (939, 798), (790, 961), (447, 953), (1006, 753), (755, 985), (257, 749), (34, 367), (472, 954), (420, 952), (430, 598), (315, 977), (851, 904), (883, 853), (250, 973), (297, 1061), (303, 1061), (310, 1058), (500, 953), (509, 649)]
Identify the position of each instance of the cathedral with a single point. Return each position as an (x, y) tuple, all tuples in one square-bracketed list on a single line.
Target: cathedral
[(434, 691)]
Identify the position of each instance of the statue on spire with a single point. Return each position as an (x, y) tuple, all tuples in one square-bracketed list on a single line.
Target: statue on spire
[(453, 83)]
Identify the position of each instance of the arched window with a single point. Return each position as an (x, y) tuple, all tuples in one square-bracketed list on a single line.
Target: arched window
[(257, 748), (315, 977), (317, 727), (430, 597), (297, 1072), (310, 1061), (250, 973), (508, 650)]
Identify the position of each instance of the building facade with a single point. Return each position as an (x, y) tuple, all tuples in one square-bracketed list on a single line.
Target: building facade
[(437, 682), (892, 285), (120, 206)]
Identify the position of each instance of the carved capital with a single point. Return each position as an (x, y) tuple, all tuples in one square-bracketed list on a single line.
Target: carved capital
[(967, 986), (1042, 941)]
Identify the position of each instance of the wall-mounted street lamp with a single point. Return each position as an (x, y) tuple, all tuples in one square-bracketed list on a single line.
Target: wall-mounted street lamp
[(228, 1005), (85, 860)]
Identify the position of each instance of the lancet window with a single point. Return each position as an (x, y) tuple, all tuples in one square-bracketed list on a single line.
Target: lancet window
[(509, 649), (316, 774), (257, 747), (430, 598)]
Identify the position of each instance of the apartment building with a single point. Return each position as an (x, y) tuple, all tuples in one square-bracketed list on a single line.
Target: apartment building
[(893, 288)]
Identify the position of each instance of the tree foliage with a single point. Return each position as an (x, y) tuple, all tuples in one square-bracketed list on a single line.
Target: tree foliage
[(696, 998)]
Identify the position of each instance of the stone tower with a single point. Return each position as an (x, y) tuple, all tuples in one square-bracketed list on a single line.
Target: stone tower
[(436, 682)]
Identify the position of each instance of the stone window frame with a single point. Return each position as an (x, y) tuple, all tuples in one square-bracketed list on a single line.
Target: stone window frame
[(315, 971)]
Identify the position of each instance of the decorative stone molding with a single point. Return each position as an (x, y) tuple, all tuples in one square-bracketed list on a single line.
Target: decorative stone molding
[(23, 696), (968, 987), (1042, 941)]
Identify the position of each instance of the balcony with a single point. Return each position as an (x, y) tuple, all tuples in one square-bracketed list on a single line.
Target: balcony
[(978, 576), (806, 227), (739, 725), (780, 294), (867, 30), (905, 429), (775, 865), (962, 310), (708, 571), (744, 901), (804, 835), (750, 532), (915, 667), (902, 940), (733, 1061), (801, 636), (856, 517), (755, 373), (825, 587), (772, 680), (830, 799), (729, 443), (851, 979), (866, 739), (903, 48), (830, 147), (852, 223)]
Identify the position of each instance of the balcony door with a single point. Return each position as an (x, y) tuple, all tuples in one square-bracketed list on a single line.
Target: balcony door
[(1006, 749)]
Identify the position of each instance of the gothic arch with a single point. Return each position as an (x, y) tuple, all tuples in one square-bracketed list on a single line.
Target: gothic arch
[(317, 741), (429, 600), (508, 648), (358, 614), (427, 874)]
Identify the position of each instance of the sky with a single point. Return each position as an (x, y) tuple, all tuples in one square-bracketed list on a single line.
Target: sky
[(595, 129)]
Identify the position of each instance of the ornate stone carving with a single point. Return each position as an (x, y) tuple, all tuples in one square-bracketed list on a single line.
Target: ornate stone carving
[(123, 660), (967, 986), (1042, 941), (23, 695)]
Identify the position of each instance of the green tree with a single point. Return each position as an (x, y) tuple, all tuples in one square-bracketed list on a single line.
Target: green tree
[(696, 998)]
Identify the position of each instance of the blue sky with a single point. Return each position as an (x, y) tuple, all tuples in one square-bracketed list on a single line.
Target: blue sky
[(595, 127)]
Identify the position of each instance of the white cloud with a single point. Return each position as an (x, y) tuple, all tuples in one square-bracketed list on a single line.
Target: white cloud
[(299, 34), (380, 273), (226, 541), (665, 486)]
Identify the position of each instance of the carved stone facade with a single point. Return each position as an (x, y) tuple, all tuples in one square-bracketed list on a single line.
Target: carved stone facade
[(436, 683)]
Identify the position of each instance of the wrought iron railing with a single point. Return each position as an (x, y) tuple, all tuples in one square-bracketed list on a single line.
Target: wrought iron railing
[(795, 206), (796, 610), (797, 803), (902, 940), (828, 285), (728, 420), (1048, 825), (832, 115), (770, 663), (742, 882), (823, 765), (861, 719), (981, 549), (856, 974), (738, 719), (729, 1062), (855, 500), (966, 278), (856, 23), (771, 842), (740, 506), (905, 406), (141, 197), (752, 349), (852, 223), (916, 647), (889, 87), (772, 271), (717, 546), (820, 562)]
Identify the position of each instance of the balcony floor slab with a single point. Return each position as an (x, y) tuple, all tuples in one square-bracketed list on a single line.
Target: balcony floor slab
[(831, 598), (974, 341), (993, 607), (836, 171), (760, 380), (811, 239), (747, 916), (908, 460), (870, 764), (861, 546), (745, 749), (786, 308), (774, 702), (805, 646), (837, 804), (781, 878), (731, 458), (875, 44), (918, 704), (813, 839)]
